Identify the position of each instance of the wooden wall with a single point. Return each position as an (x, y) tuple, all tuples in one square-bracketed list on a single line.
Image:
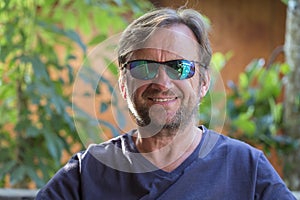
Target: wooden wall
[(250, 29)]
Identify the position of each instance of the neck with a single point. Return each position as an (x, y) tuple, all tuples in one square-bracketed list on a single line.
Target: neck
[(168, 148)]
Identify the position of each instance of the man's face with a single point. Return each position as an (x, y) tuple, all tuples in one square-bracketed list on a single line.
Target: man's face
[(161, 102)]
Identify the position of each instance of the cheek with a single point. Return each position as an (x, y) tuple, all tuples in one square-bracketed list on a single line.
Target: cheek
[(190, 92), (135, 87), (195, 94), (194, 86)]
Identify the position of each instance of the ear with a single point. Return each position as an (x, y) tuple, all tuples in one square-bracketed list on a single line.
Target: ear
[(122, 83), (205, 83)]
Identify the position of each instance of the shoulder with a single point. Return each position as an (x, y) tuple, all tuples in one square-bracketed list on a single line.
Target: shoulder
[(66, 183), (115, 153), (233, 148), (230, 142), (109, 148)]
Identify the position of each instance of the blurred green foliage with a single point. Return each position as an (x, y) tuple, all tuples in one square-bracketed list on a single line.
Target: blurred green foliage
[(254, 105), (37, 54)]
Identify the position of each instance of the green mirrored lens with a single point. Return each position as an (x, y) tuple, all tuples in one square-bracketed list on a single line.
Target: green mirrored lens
[(180, 69), (143, 70), (187, 69), (176, 69)]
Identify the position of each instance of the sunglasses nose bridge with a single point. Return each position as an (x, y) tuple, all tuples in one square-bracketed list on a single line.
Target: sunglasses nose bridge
[(162, 77)]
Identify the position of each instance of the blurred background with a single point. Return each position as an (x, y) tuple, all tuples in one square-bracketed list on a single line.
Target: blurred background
[(44, 44)]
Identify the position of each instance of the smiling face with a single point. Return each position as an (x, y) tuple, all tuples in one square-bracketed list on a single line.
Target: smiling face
[(162, 102)]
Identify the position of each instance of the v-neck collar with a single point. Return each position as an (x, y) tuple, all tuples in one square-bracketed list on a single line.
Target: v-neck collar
[(154, 169)]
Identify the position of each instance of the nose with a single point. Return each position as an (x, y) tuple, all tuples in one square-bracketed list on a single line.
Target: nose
[(162, 80)]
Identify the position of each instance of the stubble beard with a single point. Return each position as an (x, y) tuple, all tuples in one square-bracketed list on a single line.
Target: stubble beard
[(183, 117)]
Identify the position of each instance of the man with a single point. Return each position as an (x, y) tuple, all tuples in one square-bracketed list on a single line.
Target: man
[(164, 56)]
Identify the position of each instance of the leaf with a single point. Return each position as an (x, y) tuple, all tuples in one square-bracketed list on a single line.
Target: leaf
[(89, 76), (37, 65), (244, 123), (6, 167), (112, 67), (103, 21), (32, 131), (276, 110), (33, 175), (17, 174), (54, 146), (70, 19), (85, 24), (76, 38), (285, 2), (4, 5), (68, 33), (285, 69), (270, 85), (248, 127), (243, 81), (118, 2), (58, 104), (43, 165), (254, 69), (218, 61), (97, 39)]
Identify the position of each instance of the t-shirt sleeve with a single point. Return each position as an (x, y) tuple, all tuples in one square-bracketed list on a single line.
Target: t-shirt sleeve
[(269, 185), (65, 184)]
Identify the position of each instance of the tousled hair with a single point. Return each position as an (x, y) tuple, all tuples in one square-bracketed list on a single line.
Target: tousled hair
[(136, 34)]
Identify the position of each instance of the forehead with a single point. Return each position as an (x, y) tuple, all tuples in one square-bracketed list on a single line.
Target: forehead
[(174, 42)]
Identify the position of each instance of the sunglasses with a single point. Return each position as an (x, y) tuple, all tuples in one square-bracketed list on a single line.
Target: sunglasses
[(148, 69)]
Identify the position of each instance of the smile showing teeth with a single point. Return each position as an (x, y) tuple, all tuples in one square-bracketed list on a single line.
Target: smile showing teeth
[(163, 100)]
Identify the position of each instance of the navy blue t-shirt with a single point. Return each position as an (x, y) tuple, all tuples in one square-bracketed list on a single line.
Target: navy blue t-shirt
[(221, 169)]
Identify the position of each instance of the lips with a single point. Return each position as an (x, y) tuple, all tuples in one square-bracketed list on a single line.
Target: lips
[(158, 95), (163, 99)]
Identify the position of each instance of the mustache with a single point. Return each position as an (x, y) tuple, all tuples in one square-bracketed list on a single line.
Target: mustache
[(152, 91)]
